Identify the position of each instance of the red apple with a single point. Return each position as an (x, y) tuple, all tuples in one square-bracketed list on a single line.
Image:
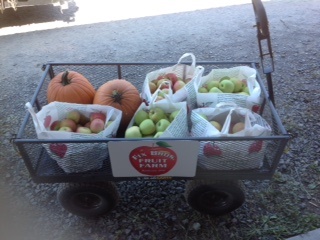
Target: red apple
[(68, 123), (98, 115), (178, 85), (161, 76), (96, 125), (55, 125), (172, 77)]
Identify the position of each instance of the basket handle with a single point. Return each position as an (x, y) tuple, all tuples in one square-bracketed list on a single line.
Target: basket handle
[(34, 117)]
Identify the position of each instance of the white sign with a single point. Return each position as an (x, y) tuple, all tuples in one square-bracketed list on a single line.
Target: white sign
[(154, 158)]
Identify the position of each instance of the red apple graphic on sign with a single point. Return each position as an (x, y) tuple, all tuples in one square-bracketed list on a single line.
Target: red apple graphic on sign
[(58, 149), (153, 160)]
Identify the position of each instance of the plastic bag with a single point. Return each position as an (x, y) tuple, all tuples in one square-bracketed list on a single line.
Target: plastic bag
[(75, 157), (179, 126), (245, 73), (182, 71), (229, 155)]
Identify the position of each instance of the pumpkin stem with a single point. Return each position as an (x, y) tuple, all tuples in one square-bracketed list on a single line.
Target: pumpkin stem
[(117, 97), (65, 80)]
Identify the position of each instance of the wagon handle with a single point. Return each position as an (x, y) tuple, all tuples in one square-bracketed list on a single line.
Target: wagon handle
[(264, 42)]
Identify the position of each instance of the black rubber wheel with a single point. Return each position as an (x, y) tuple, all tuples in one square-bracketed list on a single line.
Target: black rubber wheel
[(215, 197), (88, 199)]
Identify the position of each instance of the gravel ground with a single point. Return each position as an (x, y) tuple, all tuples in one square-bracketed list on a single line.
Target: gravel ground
[(285, 206)]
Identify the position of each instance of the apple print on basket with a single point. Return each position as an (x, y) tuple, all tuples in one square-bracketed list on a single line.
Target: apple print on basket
[(237, 84), (229, 120), (69, 121)]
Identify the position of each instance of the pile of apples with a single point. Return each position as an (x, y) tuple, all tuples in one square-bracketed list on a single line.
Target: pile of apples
[(162, 82), (77, 122), (225, 85), (234, 127), (150, 123)]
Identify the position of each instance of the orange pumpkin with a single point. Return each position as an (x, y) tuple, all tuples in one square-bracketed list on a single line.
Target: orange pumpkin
[(120, 94), (71, 87)]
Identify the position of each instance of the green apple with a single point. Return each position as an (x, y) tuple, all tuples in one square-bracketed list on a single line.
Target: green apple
[(148, 136), (173, 115), (216, 125), (226, 86), (162, 125), (238, 85), (74, 115), (159, 98), (202, 90), (133, 132), (212, 83), (203, 116), (156, 114), (65, 129), (243, 93), (158, 134), (164, 92), (225, 77), (109, 123), (215, 90), (246, 90), (147, 127), (85, 130), (140, 116), (238, 127)]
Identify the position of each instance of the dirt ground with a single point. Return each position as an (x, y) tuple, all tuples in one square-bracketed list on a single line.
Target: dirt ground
[(145, 32)]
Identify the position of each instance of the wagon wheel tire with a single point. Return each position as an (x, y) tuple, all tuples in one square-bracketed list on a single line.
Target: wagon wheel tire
[(88, 199), (215, 197)]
